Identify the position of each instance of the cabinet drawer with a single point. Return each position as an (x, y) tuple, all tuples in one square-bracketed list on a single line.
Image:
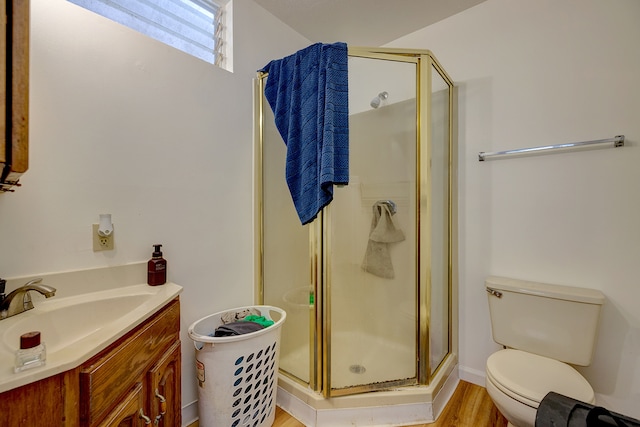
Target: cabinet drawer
[(108, 376)]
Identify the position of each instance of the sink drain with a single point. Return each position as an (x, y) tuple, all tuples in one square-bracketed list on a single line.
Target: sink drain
[(357, 369)]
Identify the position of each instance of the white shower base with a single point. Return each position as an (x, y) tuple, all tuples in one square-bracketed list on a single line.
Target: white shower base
[(384, 360), (381, 360), (398, 407)]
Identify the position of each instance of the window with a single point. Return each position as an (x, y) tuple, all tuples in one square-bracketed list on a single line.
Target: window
[(193, 26)]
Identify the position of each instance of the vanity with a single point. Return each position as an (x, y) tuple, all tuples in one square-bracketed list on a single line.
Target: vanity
[(113, 353)]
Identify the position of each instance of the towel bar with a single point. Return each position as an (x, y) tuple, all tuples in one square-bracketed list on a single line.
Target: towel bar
[(617, 141)]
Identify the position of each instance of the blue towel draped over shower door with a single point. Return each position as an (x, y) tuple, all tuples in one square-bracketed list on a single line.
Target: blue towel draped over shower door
[(308, 93)]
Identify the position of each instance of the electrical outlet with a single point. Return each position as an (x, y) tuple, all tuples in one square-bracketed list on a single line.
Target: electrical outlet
[(101, 243)]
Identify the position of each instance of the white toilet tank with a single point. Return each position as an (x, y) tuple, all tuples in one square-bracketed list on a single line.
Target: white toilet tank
[(560, 322)]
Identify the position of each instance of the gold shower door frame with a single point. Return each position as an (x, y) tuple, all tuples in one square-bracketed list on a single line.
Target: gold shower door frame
[(320, 243)]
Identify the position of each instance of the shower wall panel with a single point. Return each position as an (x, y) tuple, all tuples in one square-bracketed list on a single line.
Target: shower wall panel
[(286, 258)]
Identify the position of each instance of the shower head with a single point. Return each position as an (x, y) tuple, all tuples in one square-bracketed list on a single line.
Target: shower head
[(375, 102)]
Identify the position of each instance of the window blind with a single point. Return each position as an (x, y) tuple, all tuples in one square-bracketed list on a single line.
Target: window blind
[(193, 26)]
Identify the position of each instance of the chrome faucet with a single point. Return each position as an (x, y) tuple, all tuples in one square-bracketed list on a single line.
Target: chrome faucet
[(19, 300)]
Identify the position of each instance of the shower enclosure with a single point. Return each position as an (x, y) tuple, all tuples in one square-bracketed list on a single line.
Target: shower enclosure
[(365, 313)]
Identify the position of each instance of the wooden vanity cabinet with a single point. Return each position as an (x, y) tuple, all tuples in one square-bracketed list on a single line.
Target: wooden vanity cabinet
[(137, 380), (163, 382), (37, 404), (134, 382)]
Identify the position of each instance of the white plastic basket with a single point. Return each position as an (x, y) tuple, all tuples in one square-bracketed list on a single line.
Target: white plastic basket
[(237, 375)]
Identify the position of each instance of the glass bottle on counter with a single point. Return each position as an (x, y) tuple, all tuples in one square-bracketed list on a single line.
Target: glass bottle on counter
[(32, 352)]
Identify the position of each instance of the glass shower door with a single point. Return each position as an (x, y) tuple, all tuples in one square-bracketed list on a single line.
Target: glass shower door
[(371, 236), (286, 256)]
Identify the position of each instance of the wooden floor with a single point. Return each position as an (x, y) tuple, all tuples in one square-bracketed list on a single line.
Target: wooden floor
[(470, 406)]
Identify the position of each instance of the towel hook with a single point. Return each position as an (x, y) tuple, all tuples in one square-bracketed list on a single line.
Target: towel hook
[(390, 203)]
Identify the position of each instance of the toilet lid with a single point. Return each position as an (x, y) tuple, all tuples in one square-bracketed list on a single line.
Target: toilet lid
[(528, 377)]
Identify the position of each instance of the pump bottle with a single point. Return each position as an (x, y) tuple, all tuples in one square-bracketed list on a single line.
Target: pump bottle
[(157, 268)]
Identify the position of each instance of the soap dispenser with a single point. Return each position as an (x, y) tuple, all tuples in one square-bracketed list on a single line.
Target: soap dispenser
[(157, 268)]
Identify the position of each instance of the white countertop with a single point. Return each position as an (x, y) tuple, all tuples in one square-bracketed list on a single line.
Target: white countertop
[(117, 292)]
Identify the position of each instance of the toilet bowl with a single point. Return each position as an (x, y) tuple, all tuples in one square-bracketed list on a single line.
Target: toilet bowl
[(517, 382), (544, 329)]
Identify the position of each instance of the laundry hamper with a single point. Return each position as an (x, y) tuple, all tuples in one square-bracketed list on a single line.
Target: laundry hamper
[(237, 375)]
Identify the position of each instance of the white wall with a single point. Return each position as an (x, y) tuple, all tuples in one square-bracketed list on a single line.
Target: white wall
[(125, 125), (122, 124), (541, 72)]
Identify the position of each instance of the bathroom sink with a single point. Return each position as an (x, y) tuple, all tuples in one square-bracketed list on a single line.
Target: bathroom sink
[(68, 323), (75, 328)]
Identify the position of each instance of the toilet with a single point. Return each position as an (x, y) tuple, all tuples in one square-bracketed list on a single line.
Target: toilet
[(544, 330)]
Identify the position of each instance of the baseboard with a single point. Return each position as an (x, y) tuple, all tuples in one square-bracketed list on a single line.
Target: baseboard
[(190, 414), (472, 375)]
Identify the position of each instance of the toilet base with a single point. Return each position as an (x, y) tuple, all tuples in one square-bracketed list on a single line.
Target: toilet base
[(517, 413)]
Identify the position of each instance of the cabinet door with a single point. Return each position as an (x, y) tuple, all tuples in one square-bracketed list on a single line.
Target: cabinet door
[(130, 412), (164, 389), (109, 375), (14, 80)]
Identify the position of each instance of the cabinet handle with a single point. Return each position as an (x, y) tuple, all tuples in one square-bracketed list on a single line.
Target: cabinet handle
[(162, 407), (146, 419), (163, 403)]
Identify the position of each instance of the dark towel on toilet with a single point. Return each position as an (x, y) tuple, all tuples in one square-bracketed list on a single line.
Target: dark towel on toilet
[(308, 93)]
